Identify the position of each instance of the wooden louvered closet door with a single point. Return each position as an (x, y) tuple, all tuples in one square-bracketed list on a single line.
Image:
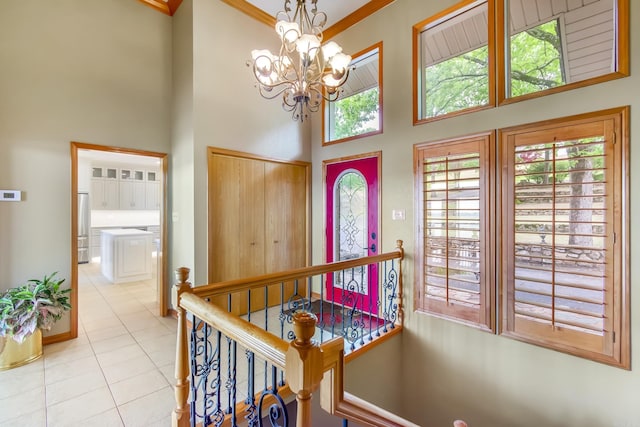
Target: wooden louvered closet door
[(258, 213)]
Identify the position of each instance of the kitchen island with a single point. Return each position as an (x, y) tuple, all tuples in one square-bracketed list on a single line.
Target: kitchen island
[(126, 255)]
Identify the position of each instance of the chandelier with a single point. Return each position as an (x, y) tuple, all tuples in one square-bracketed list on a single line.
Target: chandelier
[(305, 71)]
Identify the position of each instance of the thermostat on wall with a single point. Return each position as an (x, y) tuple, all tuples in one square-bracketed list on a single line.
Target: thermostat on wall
[(10, 195)]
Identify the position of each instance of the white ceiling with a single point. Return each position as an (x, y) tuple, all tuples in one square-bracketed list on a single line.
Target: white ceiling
[(100, 156), (335, 9)]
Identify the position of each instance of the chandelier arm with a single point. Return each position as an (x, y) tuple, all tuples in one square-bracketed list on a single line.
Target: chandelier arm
[(269, 93), (305, 72), (322, 93)]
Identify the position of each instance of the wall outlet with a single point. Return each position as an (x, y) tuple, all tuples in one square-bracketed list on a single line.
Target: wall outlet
[(174, 216)]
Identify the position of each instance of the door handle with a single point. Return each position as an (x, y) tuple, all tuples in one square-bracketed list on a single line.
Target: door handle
[(372, 248)]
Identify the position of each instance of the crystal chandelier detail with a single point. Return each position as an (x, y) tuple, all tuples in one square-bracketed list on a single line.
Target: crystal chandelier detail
[(305, 71)]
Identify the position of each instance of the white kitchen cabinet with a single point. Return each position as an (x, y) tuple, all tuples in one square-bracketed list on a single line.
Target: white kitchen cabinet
[(104, 172), (126, 255), (95, 241), (153, 191), (124, 187), (132, 189), (131, 174), (132, 195), (104, 194), (155, 231), (152, 201)]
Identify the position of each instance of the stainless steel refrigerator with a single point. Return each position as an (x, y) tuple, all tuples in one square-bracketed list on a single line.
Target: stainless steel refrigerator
[(84, 224)]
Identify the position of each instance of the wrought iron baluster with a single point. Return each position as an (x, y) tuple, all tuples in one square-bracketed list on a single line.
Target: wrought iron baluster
[(391, 305), (233, 384), (229, 377), (277, 410), (371, 268), (252, 415), (282, 318), (274, 379), (266, 308), (218, 416), (205, 370), (194, 369), (386, 298), (321, 322), (360, 322)]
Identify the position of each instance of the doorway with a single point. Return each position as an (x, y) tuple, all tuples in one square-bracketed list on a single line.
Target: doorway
[(113, 178), (352, 231)]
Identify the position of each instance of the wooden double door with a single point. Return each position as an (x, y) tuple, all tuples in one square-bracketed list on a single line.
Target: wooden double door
[(258, 222)]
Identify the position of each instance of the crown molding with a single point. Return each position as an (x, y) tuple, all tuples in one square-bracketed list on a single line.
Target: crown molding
[(167, 7), (358, 15), (368, 9), (252, 11)]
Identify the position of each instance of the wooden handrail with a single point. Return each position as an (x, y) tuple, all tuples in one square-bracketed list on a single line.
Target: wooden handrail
[(237, 285), (306, 364), (263, 343)]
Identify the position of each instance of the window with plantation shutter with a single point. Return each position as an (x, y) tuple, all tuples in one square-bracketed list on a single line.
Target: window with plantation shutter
[(564, 250), (453, 183)]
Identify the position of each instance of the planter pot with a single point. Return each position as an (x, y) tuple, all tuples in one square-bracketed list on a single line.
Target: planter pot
[(13, 354)]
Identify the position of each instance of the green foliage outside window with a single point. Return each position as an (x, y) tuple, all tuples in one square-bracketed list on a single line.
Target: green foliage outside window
[(457, 84), (462, 82), (356, 114), (536, 59)]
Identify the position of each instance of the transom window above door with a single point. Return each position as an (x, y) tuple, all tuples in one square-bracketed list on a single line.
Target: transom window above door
[(358, 111)]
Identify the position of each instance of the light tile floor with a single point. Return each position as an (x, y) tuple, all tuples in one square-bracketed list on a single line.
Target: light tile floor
[(118, 372)]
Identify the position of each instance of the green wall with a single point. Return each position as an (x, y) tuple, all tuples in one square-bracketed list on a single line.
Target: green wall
[(447, 370), (88, 71)]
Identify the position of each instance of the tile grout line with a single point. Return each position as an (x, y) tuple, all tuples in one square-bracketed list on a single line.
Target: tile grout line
[(96, 355), (130, 333)]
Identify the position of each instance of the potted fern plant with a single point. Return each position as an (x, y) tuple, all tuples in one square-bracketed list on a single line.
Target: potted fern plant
[(24, 312)]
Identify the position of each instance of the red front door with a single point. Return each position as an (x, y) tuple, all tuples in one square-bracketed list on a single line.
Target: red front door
[(352, 230)]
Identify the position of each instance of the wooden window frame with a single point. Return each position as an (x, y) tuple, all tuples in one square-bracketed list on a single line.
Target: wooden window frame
[(614, 346), (621, 55), (435, 20), (484, 316), (498, 56), (325, 103)]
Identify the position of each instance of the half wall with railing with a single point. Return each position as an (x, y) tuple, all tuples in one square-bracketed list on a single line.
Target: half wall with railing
[(247, 347)]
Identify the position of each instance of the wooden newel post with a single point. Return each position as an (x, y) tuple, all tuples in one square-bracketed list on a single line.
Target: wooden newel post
[(180, 415), (304, 365)]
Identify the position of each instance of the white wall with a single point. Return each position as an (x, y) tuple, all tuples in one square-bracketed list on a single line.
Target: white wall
[(71, 70), (448, 370)]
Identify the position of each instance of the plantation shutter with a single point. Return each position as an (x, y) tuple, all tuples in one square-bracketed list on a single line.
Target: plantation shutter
[(454, 189), (561, 211)]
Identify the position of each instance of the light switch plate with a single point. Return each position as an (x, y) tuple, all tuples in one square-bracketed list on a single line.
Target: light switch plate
[(10, 195), (397, 215)]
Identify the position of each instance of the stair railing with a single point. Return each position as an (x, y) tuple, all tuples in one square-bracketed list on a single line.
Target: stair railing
[(307, 366), (293, 354)]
